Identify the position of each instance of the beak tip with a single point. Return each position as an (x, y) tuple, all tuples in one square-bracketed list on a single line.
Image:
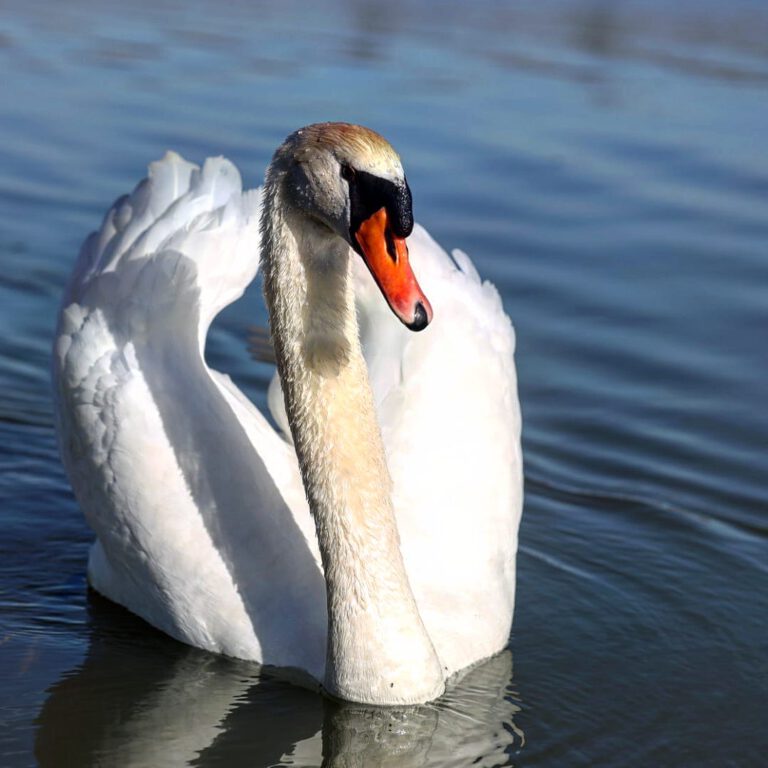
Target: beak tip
[(421, 318)]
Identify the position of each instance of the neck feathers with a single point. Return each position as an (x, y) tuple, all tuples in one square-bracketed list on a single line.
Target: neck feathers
[(378, 649)]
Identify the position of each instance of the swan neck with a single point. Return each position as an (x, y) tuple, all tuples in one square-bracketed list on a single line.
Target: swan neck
[(378, 649)]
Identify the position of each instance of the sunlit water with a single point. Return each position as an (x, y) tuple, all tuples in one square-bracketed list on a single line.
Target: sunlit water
[(605, 164)]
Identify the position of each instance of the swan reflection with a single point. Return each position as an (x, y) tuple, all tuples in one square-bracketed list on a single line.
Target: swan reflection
[(141, 700)]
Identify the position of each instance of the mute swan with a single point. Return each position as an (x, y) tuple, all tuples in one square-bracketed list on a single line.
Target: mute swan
[(392, 565)]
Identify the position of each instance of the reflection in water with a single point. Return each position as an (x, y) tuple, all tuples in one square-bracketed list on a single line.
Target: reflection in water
[(603, 164), (154, 702)]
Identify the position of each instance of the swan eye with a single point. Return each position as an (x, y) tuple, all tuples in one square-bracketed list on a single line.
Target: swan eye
[(347, 172)]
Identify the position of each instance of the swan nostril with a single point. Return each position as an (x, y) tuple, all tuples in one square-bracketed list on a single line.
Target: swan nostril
[(420, 318)]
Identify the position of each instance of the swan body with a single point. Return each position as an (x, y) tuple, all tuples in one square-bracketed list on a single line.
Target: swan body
[(370, 541)]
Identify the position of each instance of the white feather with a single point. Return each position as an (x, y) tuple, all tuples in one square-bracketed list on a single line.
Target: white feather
[(201, 520)]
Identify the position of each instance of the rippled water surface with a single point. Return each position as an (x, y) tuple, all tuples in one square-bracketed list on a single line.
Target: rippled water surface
[(605, 165)]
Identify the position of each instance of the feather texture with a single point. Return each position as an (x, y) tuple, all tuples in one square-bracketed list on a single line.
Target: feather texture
[(201, 520)]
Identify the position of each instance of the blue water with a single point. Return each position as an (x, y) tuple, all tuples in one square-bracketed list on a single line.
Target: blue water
[(605, 165)]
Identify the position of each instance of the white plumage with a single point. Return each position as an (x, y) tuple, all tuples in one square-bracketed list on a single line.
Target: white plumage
[(197, 503)]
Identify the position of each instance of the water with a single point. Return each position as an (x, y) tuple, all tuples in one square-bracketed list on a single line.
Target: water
[(604, 163)]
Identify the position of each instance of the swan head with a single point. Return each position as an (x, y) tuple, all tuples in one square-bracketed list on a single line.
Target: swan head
[(349, 181)]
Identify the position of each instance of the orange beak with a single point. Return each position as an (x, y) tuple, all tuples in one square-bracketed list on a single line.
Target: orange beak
[(386, 256)]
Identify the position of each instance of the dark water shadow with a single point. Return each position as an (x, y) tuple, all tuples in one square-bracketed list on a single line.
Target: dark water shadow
[(142, 700)]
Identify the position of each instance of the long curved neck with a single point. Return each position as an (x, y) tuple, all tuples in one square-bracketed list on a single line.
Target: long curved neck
[(378, 649)]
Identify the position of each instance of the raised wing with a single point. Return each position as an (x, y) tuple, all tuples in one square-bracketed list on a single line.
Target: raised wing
[(196, 502)]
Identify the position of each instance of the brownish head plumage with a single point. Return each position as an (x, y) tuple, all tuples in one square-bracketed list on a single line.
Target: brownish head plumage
[(354, 144)]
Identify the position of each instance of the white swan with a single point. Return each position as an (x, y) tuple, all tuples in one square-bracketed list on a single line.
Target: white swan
[(202, 521)]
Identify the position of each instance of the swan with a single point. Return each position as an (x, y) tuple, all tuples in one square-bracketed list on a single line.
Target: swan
[(368, 543)]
